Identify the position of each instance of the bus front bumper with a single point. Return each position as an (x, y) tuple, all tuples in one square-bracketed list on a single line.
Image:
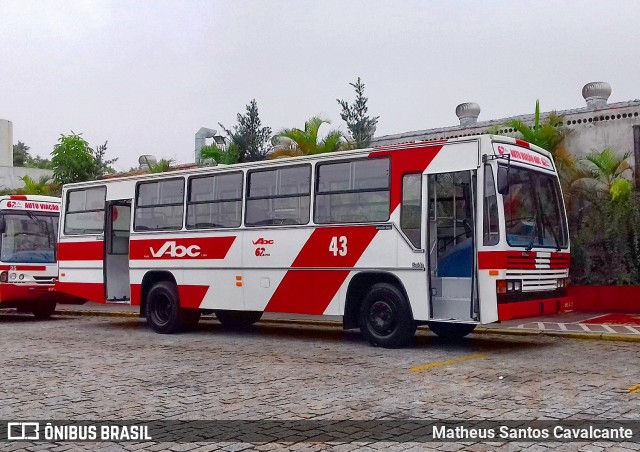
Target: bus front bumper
[(510, 310)]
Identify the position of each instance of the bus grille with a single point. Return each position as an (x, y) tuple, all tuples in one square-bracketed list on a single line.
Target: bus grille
[(44, 279), (538, 271)]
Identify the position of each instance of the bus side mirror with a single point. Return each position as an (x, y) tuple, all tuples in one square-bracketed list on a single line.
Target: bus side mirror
[(3, 225), (503, 180)]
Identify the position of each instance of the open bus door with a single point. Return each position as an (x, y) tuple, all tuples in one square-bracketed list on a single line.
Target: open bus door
[(116, 253), (449, 186)]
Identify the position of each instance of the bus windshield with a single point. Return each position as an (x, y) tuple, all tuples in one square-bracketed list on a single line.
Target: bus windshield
[(29, 238), (533, 210)]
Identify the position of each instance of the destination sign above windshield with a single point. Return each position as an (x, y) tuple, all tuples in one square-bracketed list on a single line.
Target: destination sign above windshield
[(29, 205), (523, 155)]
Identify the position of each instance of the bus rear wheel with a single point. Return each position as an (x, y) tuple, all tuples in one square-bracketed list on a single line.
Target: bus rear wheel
[(385, 317), (451, 331), (44, 309), (163, 308), (237, 319)]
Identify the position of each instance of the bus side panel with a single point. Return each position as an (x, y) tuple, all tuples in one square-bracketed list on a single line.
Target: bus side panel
[(80, 264)]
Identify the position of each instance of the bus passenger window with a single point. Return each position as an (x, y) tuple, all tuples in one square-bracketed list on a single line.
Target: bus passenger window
[(159, 205), (215, 201), (85, 211), (410, 211), (355, 191), (278, 197)]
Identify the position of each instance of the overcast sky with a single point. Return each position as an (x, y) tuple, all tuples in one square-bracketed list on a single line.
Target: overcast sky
[(146, 75)]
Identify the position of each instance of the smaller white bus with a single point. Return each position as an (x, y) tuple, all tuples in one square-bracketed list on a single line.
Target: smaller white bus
[(28, 261)]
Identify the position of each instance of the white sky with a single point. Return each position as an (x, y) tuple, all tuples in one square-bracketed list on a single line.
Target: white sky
[(146, 75)]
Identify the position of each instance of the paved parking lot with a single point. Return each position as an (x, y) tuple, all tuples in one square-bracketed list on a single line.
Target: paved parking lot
[(79, 368)]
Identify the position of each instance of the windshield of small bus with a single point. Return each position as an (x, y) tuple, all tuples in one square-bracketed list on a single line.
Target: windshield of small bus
[(533, 210), (29, 238)]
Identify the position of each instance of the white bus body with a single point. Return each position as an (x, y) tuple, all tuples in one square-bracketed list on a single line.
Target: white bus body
[(388, 238), (28, 266)]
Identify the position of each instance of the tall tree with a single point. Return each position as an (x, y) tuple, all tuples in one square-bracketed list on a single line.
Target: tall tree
[(251, 139), (73, 159), (361, 126), (20, 154), (102, 165), (295, 142)]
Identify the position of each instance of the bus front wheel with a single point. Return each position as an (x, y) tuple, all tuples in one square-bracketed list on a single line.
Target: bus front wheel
[(385, 317), (238, 319), (43, 310), (163, 308), (451, 331)]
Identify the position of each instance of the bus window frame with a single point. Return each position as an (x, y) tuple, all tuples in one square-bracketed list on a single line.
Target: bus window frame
[(247, 196), (316, 192), (204, 176), (136, 205), (68, 203)]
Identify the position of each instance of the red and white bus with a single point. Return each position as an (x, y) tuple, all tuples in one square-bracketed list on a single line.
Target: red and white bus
[(28, 266), (453, 233)]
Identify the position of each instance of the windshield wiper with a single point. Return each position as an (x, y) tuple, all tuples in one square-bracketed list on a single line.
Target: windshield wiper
[(42, 224), (545, 222), (533, 233)]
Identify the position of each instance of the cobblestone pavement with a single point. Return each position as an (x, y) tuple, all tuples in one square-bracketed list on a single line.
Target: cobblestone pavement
[(109, 368)]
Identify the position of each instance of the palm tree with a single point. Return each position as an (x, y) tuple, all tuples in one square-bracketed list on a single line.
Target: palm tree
[(547, 134), (33, 187), (295, 142), (222, 156), (604, 172), (161, 166)]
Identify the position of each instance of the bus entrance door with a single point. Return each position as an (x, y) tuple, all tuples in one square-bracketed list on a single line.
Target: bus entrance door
[(116, 258), (451, 231)]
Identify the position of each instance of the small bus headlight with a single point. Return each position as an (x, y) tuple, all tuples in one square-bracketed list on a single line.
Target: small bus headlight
[(12, 276), (4, 276), (21, 277), (514, 285)]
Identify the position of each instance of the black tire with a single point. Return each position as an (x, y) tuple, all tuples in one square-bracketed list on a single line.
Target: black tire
[(385, 317), (190, 318), (42, 310), (163, 308), (451, 331), (238, 319)]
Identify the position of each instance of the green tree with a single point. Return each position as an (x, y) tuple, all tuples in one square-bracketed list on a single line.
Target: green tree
[(41, 186), (222, 156), (102, 165), (250, 138), (548, 134), (20, 154), (72, 159), (604, 173), (161, 166), (38, 162), (295, 142), (361, 126)]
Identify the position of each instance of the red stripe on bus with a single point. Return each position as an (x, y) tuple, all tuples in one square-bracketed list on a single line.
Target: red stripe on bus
[(24, 268), (191, 296), (311, 291), (81, 251), (19, 197), (88, 291), (406, 161), (522, 143), (181, 248)]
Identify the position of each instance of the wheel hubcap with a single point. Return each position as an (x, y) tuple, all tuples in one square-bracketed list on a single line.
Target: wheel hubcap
[(162, 309), (382, 317)]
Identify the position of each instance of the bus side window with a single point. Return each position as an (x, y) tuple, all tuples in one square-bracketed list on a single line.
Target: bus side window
[(159, 205), (491, 231), (410, 212), (85, 211)]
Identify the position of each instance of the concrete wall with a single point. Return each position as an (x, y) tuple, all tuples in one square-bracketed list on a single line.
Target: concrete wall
[(6, 143), (10, 176), (590, 129)]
